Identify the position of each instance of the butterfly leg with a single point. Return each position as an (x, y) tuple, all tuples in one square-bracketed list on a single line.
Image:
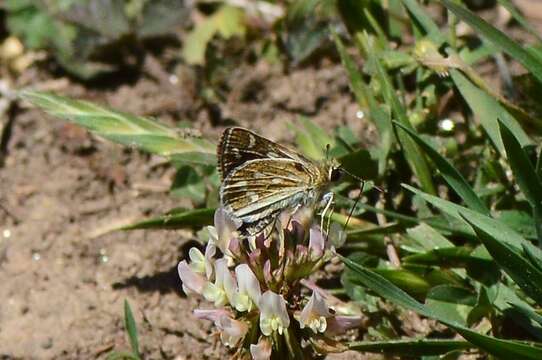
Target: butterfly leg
[(328, 200)]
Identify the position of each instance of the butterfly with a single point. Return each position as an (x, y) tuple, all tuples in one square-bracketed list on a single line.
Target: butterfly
[(260, 179)]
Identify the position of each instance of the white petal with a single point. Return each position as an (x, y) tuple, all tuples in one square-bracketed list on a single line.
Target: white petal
[(248, 283), (262, 350), (192, 282)]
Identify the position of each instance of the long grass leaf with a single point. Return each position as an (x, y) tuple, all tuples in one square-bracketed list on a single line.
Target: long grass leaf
[(415, 159), (449, 173), (126, 129), (498, 38), (414, 347), (525, 174), (520, 269), (504, 349), (488, 110)]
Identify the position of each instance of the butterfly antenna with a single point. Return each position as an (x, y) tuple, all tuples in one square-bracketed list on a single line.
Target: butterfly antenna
[(354, 206), (327, 151), (361, 180)]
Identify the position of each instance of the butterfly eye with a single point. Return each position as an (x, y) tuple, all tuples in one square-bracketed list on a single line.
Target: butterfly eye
[(335, 175)]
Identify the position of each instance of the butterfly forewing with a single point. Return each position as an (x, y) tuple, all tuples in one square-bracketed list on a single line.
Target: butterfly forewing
[(238, 145)]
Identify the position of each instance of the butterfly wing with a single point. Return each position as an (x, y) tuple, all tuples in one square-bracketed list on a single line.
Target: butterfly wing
[(238, 146), (258, 190)]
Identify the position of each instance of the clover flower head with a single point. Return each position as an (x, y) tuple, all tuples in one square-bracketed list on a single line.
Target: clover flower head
[(254, 284)]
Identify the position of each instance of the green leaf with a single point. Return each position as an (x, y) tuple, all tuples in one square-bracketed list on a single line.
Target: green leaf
[(426, 238), (131, 328), (504, 232), (449, 173), (227, 21), (364, 97), (521, 270), (312, 140), (448, 257), (525, 175), (498, 347), (126, 129), (488, 110), (176, 220), (498, 38), (422, 18), (507, 4), (410, 347), (416, 161)]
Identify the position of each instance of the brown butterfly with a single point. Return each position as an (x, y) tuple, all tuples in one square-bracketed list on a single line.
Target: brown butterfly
[(261, 178)]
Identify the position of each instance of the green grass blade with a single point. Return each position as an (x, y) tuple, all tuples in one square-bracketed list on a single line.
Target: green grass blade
[(509, 236), (504, 349), (176, 220), (507, 4), (498, 38), (488, 109), (123, 128), (415, 159), (364, 97), (419, 15), (410, 347), (449, 173), (525, 174), (131, 329), (520, 269), (454, 257)]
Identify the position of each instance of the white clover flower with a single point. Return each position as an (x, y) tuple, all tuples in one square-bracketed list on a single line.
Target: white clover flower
[(273, 313), (200, 263), (315, 314), (222, 290), (261, 350), (249, 292), (192, 281)]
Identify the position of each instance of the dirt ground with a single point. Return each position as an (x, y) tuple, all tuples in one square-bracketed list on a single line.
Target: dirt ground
[(63, 282)]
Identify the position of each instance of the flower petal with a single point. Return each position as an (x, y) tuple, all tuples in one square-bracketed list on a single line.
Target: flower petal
[(316, 243), (273, 313), (248, 283), (315, 313), (262, 350), (231, 331), (192, 282)]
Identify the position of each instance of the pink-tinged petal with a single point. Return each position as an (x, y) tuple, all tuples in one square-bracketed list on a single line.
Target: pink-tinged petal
[(192, 282), (230, 285), (337, 325), (315, 314), (273, 313), (210, 252), (262, 350), (316, 243), (231, 331), (249, 288), (211, 314), (226, 229)]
